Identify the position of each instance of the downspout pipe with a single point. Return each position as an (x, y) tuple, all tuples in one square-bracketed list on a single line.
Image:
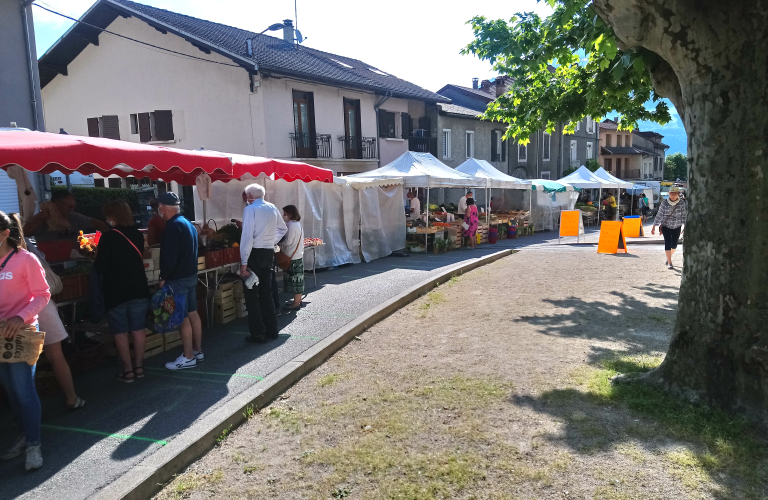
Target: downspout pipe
[(30, 68), (378, 132)]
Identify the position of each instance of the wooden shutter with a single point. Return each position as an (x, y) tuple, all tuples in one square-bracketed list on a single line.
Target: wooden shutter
[(382, 123), (405, 125), (503, 149), (145, 133), (163, 125), (111, 127), (93, 127), (494, 151)]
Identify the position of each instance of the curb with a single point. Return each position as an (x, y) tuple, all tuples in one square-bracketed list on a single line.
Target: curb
[(148, 477)]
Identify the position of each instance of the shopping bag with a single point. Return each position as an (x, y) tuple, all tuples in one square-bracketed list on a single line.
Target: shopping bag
[(168, 310), (465, 226), (24, 348)]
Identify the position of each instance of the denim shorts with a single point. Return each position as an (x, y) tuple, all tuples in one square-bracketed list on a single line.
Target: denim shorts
[(129, 316), (188, 287)]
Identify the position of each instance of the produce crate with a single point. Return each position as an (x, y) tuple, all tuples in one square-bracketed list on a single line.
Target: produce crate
[(225, 312), (224, 297), (155, 345), (172, 344), (201, 263), (237, 290)]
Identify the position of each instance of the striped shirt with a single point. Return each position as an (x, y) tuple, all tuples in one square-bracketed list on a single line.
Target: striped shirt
[(667, 218)]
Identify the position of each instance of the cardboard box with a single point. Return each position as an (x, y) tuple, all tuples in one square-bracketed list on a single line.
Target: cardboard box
[(155, 253), (149, 264)]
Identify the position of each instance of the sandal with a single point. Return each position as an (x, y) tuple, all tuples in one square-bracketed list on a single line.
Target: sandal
[(124, 378), (293, 308), (78, 404), (138, 374)]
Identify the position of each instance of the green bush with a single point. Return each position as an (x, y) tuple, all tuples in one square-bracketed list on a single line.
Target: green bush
[(90, 201)]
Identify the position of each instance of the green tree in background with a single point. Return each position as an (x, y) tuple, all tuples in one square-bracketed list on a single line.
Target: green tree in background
[(676, 167), (592, 165), (591, 57)]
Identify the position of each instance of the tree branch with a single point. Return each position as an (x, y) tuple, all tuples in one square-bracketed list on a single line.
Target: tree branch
[(666, 83)]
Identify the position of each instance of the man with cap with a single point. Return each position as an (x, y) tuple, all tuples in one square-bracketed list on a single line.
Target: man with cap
[(463, 203), (178, 269)]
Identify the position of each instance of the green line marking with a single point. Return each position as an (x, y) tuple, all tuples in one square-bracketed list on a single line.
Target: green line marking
[(106, 434), (195, 371), (352, 277), (298, 336)]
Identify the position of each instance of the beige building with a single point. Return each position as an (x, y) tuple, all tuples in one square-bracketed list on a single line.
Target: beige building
[(189, 83), (632, 154)]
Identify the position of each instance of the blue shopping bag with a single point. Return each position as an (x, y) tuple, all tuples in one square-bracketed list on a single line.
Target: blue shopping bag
[(168, 310)]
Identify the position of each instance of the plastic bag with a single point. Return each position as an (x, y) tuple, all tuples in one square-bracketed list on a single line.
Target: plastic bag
[(56, 223), (24, 348), (168, 310)]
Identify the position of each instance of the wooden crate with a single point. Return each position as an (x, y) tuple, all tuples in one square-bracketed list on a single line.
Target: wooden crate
[(224, 297), (225, 312), (172, 344), (155, 345), (201, 263)]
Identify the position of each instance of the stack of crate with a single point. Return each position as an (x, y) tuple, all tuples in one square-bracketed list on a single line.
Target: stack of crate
[(155, 344), (201, 263), (454, 235), (482, 233), (224, 302), (237, 294), (171, 340)]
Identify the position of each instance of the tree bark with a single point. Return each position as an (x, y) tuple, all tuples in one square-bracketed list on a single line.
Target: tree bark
[(717, 53)]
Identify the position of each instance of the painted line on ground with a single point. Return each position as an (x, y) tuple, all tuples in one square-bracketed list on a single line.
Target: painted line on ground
[(281, 334), (193, 371), (106, 434)]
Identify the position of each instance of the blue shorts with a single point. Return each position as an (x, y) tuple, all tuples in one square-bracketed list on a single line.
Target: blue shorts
[(129, 316), (188, 287)]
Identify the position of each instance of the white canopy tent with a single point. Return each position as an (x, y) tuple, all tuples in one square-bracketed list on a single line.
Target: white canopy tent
[(494, 178), (605, 175), (550, 197), (583, 178)]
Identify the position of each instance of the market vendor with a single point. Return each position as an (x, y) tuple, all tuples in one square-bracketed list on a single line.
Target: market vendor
[(415, 211), (46, 225), (610, 206), (463, 203)]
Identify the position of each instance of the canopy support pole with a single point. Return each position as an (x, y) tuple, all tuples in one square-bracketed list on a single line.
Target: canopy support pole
[(426, 233)]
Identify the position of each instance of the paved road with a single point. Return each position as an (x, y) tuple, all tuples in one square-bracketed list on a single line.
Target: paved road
[(124, 423)]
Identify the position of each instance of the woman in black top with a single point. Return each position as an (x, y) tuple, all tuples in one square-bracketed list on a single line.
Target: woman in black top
[(124, 285)]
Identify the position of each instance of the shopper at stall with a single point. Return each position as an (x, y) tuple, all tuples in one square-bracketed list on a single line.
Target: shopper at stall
[(671, 217), (263, 228), (292, 245), (645, 206), (64, 203), (156, 225), (55, 334), (178, 270), (23, 294), (470, 220), (415, 211), (463, 203), (124, 287)]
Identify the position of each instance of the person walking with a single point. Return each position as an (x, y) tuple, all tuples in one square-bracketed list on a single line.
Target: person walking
[(23, 294), (470, 219), (263, 227), (672, 213), (55, 334), (178, 270), (645, 206), (292, 245), (124, 287)]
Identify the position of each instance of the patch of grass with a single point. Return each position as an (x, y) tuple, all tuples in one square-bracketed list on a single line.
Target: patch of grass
[(691, 468), (632, 451), (250, 469), (732, 444), (224, 435), (327, 380), (433, 298), (289, 419), (249, 412), (184, 484), (611, 493)]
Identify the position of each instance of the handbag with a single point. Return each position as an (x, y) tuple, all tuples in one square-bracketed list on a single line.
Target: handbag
[(661, 227), (283, 261), (168, 310), (53, 280)]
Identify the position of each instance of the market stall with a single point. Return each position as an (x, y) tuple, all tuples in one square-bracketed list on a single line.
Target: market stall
[(549, 199), (422, 170), (605, 175), (583, 178)]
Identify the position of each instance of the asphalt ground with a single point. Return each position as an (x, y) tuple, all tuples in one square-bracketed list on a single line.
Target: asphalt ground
[(122, 424)]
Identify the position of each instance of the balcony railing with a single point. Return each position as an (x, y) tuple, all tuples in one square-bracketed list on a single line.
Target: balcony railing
[(310, 145), (423, 145), (358, 148)]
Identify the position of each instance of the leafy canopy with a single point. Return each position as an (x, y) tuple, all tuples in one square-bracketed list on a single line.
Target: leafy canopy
[(676, 167), (564, 67)]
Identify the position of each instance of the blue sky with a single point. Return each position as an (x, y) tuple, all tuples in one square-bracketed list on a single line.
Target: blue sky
[(410, 39)]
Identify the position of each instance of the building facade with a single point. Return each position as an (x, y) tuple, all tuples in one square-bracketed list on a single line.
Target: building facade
[(633, 155)]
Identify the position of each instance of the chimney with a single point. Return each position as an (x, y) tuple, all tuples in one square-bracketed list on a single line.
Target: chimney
[(288, 31), (616, 119), (474, 83)]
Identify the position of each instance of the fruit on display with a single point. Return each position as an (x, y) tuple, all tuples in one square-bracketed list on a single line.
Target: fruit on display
[(312, 242), (89, 243)]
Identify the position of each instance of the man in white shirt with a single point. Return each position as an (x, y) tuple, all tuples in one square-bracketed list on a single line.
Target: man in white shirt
[(463, 203), (263, 228), (415, 205)]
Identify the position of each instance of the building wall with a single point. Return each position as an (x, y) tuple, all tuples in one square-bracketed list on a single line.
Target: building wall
[(391, 148), (212, 104), (582, 137)]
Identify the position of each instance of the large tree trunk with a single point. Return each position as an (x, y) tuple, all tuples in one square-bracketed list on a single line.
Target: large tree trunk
[(717, 52)]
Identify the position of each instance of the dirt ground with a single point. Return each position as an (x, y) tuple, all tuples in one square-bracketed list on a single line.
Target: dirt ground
[(493, 386)]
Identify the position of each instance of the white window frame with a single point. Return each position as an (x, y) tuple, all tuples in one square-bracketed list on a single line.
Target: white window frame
[(590, 125), (469, 140), (546, 147), (545, 174), (578, 125), (574, 151), (524, 148), (446, 143), (590, 146), (499, 144)]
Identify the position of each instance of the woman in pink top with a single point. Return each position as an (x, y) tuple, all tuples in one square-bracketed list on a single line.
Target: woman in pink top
[(23, 294), (470, 219)]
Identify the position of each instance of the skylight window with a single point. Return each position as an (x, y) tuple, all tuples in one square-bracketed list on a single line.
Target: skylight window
[(341, 63), (378, 72)]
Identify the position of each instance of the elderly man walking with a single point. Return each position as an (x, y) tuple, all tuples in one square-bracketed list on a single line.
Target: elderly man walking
[(178, 269), (263, 228)]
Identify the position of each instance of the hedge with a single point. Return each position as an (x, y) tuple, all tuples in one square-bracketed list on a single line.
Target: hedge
[(90, 200)]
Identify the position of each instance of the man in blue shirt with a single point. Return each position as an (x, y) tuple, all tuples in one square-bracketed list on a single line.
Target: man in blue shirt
[(178, 269)]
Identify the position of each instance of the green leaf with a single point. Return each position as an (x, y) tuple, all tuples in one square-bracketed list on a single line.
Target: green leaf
[(639, 65)]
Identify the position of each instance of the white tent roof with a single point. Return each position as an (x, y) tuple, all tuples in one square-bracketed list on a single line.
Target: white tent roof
[(583, 178), (367, 183), (603, 174), (421, 170), (494, 177)]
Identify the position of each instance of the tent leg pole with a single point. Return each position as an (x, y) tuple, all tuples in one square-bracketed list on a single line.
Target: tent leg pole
[(426, 234)]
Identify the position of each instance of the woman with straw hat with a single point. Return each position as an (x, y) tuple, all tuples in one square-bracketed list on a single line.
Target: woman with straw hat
[(671, 214)]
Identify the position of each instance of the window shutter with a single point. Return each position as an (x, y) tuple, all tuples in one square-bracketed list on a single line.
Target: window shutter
[(111, 127), (503, 150), (405, 125), (494, 151), (382, 123), (163, 125), (93, 127), (145, 133)]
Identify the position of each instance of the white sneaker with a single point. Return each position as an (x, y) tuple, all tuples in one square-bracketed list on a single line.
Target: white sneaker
[(16, 450), (182, 363), (34, 458), (199, 356)]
